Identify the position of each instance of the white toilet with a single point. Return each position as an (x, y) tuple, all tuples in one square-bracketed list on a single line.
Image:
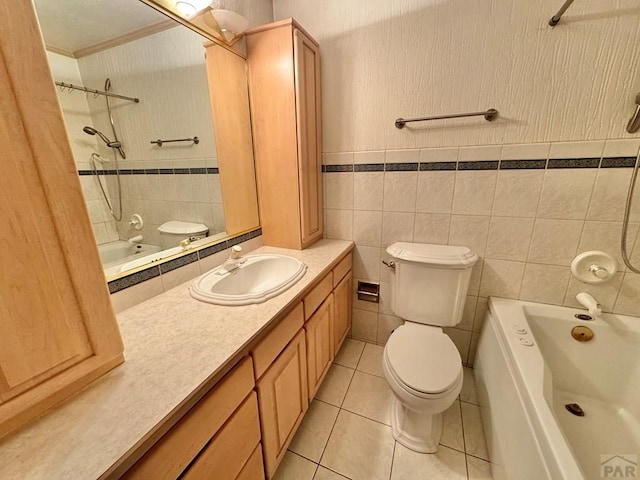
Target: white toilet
[(422, 365), (174, 231)]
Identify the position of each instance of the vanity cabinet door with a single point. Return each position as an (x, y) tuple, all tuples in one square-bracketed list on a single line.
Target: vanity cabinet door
[(342, 310), (283, 401), (320, 344), (58, 331)]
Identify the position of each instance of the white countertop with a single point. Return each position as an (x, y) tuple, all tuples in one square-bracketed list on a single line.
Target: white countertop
[(173, 346)]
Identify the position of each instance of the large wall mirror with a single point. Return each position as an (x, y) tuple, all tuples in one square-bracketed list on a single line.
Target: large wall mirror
[(144, 198)]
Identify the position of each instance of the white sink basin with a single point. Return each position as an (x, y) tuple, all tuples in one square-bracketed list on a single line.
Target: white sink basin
[(259, 278)]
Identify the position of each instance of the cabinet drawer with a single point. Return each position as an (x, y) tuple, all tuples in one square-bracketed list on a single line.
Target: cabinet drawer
[(254, 468), (226, 455), (342, 268), (317, 295), (168, 458), (276, 340)]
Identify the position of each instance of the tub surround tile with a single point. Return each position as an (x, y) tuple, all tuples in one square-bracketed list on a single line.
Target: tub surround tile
[(402, 156), (501, 278), (349, 354), (371, 360), (555, 242), (438, 166), (295, 467), (335, 385), (446, 464), (338, 190), (523, 164), (473, 348), (609, 195), (605, 236), (369, 396), (350, 447), (369, 167), (479, 165), (628, 301), (476, 276), (566, 194), (618, 162), (517, 193), (481, 311), (401, 167), (342, 158), (627, 147), (313, 434), (468, 313), (461, 339), (337, 168), (568, 163), (479, 153), (545, 283), (473, 432), (509, 238)]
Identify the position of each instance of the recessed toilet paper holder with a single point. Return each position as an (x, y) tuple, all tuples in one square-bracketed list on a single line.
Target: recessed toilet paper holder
[(368, 291)]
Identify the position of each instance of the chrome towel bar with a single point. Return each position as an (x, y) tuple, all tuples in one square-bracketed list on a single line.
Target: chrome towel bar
[(159, 142), (489, 116)]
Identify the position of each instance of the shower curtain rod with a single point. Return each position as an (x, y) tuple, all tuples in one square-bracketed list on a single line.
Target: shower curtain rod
[(96, 92)]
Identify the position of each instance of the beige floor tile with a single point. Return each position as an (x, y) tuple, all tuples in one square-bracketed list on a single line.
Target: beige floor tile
[(359, 448), (473, 432), (468, 393), (335, 385), (294, 467), (314, 431), (369, 396), (446, 464), (478, 469), (452, 427), (326, 474), (349, 353), (371, 360)]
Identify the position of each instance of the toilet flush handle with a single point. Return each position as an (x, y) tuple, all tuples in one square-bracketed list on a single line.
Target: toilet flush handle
[(390, 263)]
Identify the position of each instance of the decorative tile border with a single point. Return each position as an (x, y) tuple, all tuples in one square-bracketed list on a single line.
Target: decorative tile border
[(534, 164), (153, 171), (156, 269)]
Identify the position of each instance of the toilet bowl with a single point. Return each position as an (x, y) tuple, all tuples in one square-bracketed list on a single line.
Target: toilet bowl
[(175, 231), (421, 363)]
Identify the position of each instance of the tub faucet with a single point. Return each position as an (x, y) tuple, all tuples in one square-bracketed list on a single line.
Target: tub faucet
[(590, 303)]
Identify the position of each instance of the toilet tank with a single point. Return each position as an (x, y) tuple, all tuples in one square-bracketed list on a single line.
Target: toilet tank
[(174, 231), (429, 283)]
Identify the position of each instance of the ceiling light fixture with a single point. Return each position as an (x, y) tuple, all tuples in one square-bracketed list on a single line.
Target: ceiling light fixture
[(188, 8)]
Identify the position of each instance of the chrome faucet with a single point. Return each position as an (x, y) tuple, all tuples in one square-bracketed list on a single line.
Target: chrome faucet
[(234, 261)]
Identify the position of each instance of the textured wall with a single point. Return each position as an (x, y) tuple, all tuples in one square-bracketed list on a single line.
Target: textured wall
[(382, 60)]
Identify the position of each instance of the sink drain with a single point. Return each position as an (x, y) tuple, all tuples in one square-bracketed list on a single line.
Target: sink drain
[(575, 409)]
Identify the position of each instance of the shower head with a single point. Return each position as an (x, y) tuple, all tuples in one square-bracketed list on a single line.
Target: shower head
[(105, 139)]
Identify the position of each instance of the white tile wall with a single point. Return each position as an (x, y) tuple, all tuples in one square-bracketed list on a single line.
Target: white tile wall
[(526, 225)]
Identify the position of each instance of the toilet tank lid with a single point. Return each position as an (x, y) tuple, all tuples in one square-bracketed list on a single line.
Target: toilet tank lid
[(177, 227), (442, 255)]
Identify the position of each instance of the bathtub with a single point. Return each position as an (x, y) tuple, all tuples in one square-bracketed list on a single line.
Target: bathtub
[(121, 251), (528, 367)]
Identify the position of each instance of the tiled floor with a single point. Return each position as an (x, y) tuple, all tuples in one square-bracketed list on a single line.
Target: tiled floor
[(346, 433)]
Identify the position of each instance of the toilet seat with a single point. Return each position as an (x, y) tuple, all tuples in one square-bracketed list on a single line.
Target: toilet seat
[(424, 360)]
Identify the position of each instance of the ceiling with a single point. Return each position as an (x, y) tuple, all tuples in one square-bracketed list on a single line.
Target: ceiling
[(72, 25)]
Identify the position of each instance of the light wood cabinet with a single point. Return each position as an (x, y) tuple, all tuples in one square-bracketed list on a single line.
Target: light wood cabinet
[(282, 396), (342, 299), (230, 438), (284, 86), (320, 344), (58, 331)]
